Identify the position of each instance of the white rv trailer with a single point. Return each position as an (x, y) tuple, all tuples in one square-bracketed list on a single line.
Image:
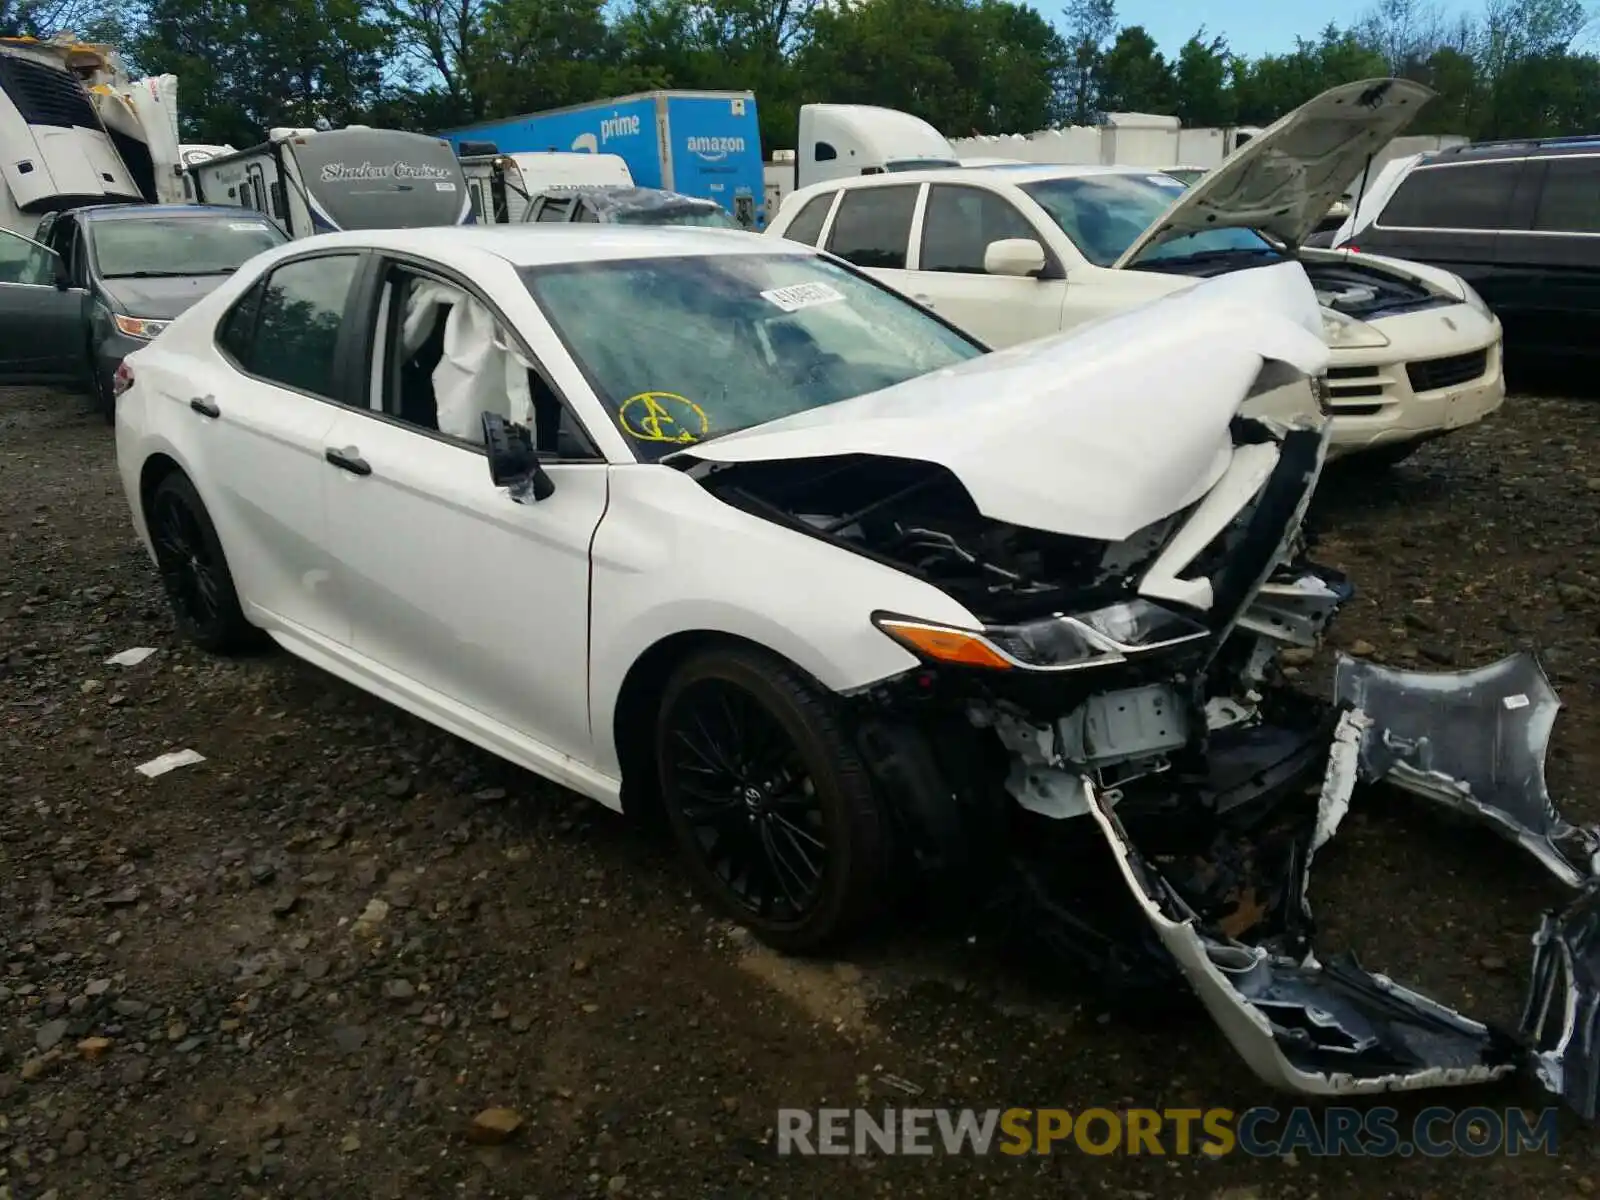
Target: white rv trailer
[(499, 185), (57, 150), (312, 181), (192, 154)]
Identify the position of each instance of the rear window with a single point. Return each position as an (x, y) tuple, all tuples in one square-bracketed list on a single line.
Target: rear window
[(1568, 202), (807, 225), (1477, 196)]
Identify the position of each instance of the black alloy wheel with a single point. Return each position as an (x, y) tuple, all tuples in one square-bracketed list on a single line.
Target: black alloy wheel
[(767, 799), (194, 570)]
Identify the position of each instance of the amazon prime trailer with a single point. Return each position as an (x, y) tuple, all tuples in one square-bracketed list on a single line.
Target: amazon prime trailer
[(705, 144), (312, 181)]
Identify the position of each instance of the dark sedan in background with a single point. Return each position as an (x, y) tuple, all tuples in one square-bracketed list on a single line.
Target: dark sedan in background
[(94, 284)]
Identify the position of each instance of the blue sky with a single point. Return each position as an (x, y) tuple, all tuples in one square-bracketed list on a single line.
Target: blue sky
[(1251, 26)]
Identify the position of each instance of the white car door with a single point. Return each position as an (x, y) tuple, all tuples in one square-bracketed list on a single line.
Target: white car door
[(257, 411), (459, 591), (958, 223), (871, 227)]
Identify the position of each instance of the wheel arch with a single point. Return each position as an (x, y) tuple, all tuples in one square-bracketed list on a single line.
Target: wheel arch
[(157, 467), (638, 703)]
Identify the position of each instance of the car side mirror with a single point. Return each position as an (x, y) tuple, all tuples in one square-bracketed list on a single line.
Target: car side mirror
[(513, 462), (1021, 257)]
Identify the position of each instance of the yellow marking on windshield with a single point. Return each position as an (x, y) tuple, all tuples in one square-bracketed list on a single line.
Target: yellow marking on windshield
[(662, 417)]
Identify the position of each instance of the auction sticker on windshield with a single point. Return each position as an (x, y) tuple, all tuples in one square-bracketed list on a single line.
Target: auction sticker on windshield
[(802, 295)]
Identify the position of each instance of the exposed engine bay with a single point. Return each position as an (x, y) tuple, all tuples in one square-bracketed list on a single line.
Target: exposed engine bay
[(1117, 761), (1366, 292)]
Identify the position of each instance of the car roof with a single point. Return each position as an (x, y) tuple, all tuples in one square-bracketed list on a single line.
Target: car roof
[(1514, 148), (120, 212), (533, 245), (1012, 173)]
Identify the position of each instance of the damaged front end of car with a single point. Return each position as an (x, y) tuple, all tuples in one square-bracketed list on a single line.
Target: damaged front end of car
[(1111, 766)]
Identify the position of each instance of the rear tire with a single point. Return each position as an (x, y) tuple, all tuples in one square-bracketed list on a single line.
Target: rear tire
[(194, 570), (768, 800)]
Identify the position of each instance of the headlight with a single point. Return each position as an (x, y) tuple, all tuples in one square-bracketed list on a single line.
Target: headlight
[(1102, 637), (138, 327), (1469, 295), (1347, 333)]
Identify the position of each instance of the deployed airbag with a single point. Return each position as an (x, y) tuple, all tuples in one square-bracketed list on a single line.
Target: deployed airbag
[(479, 371)]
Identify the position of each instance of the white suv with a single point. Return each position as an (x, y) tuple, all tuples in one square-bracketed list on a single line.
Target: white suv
[(1012, 253)]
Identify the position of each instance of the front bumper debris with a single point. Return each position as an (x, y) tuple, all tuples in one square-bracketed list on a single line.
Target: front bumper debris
[(1474, 742)]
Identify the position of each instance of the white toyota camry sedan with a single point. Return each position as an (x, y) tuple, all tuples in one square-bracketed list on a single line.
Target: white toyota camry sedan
[(711, 524)]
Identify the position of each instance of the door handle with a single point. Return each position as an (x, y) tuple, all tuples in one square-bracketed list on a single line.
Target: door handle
[(206, 406), (348, 459)]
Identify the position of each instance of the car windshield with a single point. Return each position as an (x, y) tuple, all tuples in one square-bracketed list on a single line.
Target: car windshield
[(687, 214), (1185, 175), (1105, 214), (130, 247), (695, 347)]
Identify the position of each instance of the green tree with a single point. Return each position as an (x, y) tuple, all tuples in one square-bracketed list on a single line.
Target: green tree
[(1135, 76), (244, 66), (1201, 95), (964, 66), (1090, 25)]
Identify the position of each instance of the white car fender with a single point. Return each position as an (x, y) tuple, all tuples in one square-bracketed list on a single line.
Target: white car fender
[(701, 565)]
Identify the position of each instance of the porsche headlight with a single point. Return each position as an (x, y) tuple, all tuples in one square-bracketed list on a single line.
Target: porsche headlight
[(1064, 642), (1346, 333), (1469, 296), (139, 327)]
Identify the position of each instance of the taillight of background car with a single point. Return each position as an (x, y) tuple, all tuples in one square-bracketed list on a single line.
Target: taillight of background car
[(122, 380)]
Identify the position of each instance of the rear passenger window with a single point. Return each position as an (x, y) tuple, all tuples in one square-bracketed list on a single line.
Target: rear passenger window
[(1568, 203), (1466, 197), (873, 226), (807, 227), (297, 333), (238, 328), (960, 222)]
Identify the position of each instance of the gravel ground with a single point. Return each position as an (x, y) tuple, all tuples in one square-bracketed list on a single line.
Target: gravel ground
[(304, 965)]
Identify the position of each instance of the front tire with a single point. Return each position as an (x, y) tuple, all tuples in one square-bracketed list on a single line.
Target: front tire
[(768, 800), (194, 570)]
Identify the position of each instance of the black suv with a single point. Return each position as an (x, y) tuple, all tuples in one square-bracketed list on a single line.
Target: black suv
[(1520, 222)]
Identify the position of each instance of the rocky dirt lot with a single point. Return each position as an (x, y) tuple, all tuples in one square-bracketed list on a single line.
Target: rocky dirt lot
[(304, 965)]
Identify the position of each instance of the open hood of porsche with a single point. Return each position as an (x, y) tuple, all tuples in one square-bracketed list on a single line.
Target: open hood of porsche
[(1285, 179), (1094, 434)]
